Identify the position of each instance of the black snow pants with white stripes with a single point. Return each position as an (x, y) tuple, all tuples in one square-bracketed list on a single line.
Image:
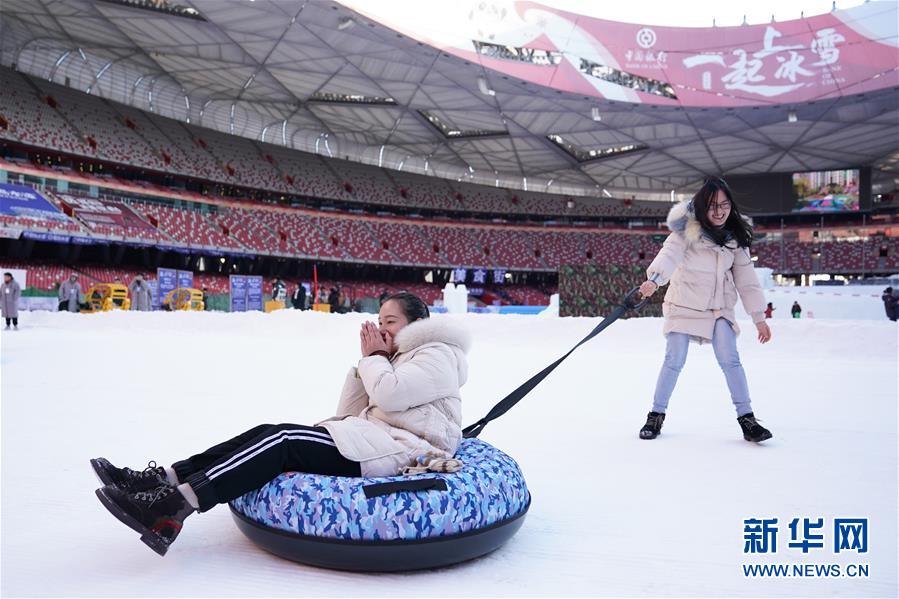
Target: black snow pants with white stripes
[(248, 461)]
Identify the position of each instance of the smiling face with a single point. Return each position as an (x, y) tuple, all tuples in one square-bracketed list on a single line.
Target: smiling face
[(391, 319), (719, 209)]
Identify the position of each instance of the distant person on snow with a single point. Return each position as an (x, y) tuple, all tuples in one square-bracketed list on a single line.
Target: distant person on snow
[(401, 401), (334, 299), (298, 299), (796, 310), (141, 296), (279, 290), (70, 294), (889, 304), (769, 310), (9, 300), (706, 260)]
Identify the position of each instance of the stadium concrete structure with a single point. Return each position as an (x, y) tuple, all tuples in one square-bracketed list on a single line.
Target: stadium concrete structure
[(278, 71), (581, 128)]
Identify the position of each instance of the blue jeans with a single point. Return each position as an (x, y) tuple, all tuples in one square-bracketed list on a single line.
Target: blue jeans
[(724, 342)]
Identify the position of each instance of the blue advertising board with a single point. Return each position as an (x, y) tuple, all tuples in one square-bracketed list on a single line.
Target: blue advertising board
[(185, 278), (25, 202), (168, 281), (238, 293), (254, 293), (154, 294)]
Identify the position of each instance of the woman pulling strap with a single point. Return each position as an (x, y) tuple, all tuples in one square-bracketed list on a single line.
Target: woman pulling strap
[(706, 261)]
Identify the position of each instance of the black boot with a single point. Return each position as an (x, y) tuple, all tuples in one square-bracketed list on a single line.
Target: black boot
[(127, 479), (653, 426), (157, 514), (752, 430)]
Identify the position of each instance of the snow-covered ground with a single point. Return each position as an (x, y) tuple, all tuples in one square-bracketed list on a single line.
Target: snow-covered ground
[(611, 514)]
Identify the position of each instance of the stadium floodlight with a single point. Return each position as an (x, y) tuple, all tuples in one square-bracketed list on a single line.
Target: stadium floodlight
[(594, 112), (485, 89), (345, 23), (606, 193), (791, 116)]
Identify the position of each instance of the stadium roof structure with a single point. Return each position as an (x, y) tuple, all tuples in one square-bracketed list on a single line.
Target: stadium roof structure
[(506, 93)]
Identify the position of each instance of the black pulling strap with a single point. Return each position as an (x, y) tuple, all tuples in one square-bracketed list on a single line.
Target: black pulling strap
[(412, 484), (628, 303)]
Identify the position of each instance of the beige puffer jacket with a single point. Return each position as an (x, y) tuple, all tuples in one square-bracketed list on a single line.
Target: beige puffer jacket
[(705, 279), (392, 411)]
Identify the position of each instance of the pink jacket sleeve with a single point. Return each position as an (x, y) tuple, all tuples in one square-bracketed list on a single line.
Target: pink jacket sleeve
[(667, 260), (353, 398), (748, 286)]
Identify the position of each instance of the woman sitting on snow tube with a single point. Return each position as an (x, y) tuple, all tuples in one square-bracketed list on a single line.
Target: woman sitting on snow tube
[(401, 402)]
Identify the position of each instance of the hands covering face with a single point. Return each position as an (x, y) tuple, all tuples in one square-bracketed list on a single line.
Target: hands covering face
[(372, 341)]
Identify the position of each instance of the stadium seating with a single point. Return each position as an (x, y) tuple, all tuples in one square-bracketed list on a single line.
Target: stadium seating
[(55, 117), (33, 121), (188, 227), (46, 115)]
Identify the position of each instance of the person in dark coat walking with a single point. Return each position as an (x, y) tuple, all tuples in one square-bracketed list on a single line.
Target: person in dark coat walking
[(279, 291), (205, 299), (796, 310), (889, 304), (769, 310), (9, 300), (334, 299), (298, 299)]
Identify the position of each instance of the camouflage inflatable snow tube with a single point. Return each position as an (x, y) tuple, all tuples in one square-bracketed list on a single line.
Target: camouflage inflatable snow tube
[(390, 523)]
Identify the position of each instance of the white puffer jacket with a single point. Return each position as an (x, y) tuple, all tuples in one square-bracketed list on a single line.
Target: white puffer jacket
[(705, 278), (392, 411)]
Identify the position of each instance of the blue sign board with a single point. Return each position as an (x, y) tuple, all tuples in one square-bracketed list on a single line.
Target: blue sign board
[(185, 278), (238, 293), (254, 293), (168, 281), (154, 294), (25, 202)]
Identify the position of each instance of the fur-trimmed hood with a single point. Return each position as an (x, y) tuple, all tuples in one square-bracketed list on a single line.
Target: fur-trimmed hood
[(682, 219), (432, 330)]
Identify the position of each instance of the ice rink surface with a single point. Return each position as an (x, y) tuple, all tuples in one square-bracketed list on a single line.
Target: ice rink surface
[(611, 514)]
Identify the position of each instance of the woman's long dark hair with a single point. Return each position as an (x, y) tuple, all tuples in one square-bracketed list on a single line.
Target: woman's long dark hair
[(412, 305), (735, 227)]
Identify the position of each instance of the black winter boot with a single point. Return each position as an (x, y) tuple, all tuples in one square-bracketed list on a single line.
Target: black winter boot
[(127, 479), (752, 430), (653, 426), (157, 514)]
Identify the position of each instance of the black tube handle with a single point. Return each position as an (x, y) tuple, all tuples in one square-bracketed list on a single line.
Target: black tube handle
[(412, 484)]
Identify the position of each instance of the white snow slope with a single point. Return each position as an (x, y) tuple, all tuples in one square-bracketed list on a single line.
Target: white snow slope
[(611, 514)]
